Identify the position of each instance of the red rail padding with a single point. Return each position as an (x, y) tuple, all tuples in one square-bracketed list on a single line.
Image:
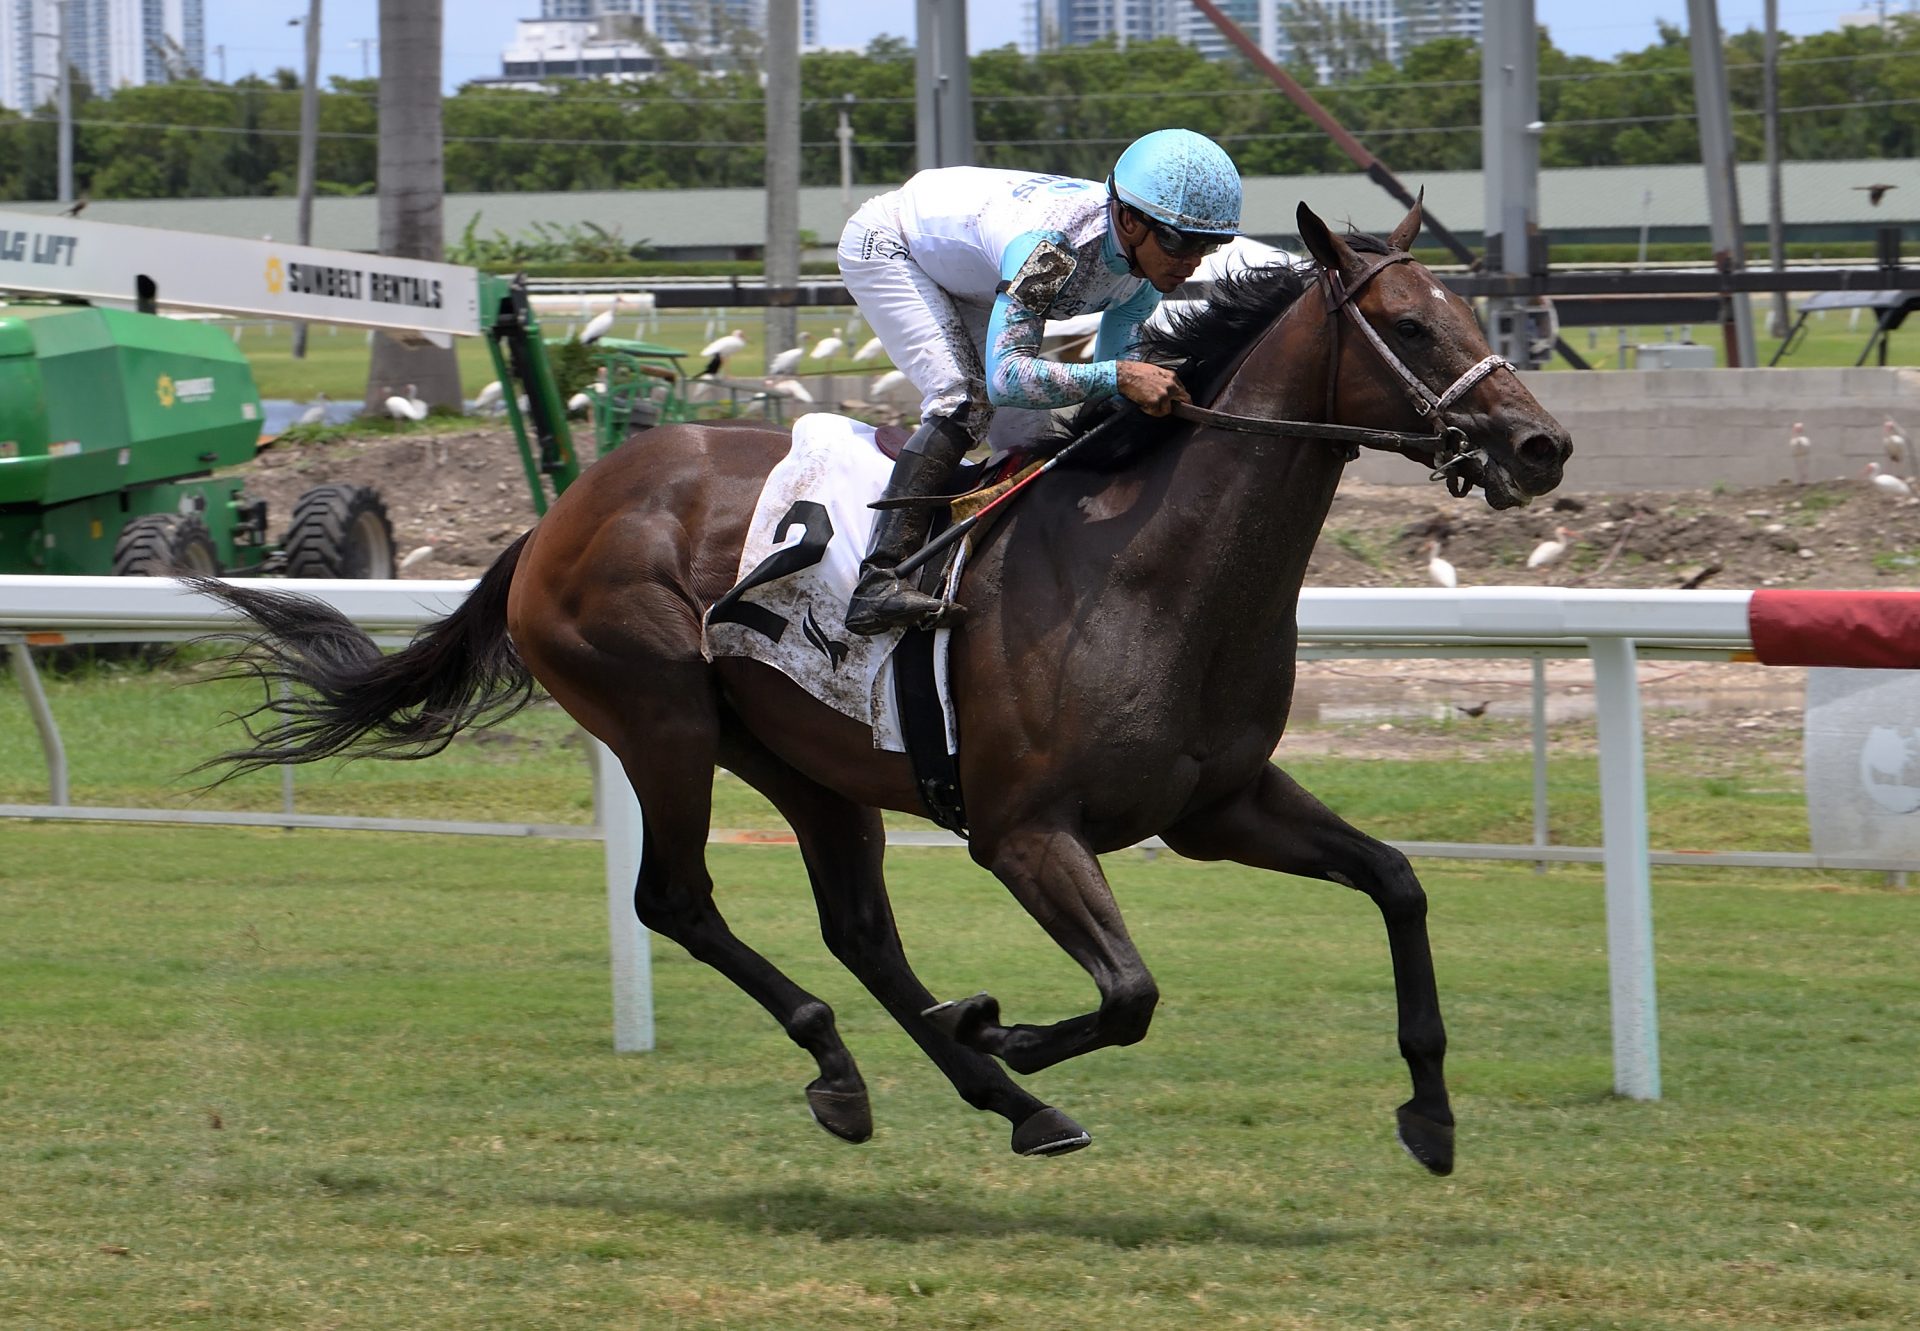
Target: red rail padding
[(1871, 630)]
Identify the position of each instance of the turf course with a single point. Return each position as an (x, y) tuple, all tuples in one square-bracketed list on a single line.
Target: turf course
[(306, 1080)]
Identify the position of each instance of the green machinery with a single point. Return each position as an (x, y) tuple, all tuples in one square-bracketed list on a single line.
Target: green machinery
[(121, 430)]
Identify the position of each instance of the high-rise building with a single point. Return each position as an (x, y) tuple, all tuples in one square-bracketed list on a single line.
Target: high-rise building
[(110, 43), (1398, 25), (692, 22), (617, 38)]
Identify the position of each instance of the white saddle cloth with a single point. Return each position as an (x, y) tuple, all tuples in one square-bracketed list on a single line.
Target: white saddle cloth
[(802, 554)]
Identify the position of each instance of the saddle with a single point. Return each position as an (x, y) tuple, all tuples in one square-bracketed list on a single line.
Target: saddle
[(798, 565)]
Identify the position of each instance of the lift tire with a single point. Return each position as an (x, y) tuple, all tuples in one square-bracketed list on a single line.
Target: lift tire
[(161, 544), (340, 531)]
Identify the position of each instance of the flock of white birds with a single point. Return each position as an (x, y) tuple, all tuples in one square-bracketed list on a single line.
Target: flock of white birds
[(1549, 552), (1895, 479), (781, 366)]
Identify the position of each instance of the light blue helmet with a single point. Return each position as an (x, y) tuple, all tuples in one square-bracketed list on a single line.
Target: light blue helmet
[(1183, 179)]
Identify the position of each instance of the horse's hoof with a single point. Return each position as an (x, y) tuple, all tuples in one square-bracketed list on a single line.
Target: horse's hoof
[(1049, 1132), (845, 1114), (962, 1019), (1428, 1142)]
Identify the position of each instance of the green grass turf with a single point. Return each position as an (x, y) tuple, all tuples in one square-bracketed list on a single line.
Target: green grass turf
[(329, 1080), (133, 736)]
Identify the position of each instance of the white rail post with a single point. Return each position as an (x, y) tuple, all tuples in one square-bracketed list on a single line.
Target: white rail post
[(619, 815), (1623, 820), (50, 742)]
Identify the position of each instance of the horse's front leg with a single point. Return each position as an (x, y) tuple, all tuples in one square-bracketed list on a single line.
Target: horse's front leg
[(1275, 824), (1052, 873)]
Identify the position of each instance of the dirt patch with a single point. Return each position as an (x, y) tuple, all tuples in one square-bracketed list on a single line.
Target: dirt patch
[(465, 495)]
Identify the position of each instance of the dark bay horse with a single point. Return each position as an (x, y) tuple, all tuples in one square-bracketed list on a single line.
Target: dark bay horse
[(1125, 672)]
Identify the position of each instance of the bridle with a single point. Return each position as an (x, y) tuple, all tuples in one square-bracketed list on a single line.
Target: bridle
[(1446, 445)]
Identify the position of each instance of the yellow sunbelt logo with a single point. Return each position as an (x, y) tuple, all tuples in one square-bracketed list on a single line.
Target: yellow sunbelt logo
[(276, 275), (171, 390)]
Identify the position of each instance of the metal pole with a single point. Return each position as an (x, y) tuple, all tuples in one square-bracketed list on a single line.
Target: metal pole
[(1717, 156), (783, 171), (65, 103), (1776, 219), (309, 144), (1510, 153), (1540, 828), (51, 745), (1623, 821), (845, 134), (944, 100)]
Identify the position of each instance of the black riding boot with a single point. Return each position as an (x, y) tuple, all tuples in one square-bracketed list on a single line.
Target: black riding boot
[(881, 601)]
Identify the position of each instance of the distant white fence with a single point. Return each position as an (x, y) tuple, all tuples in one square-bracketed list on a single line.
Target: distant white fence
[(1614, 628)]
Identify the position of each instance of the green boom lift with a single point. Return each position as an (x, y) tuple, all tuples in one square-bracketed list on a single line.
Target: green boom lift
[(120, 428)]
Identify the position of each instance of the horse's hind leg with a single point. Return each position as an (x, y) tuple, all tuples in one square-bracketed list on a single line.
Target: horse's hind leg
[(843, 844), (667, 740), (1275, 824)]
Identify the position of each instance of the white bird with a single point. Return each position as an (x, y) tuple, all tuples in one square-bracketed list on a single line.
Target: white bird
[(829, 347), (401, 408), (1886, 482), (1439, 571), (1547, 552), (868, 349), (597, 326), (489, 395), (419, 554), (580, 402), (789, 388), (315, 414), (786, 360), (414, 400), (886, 383), (1894, 440), (1801, 448), (720, 348)]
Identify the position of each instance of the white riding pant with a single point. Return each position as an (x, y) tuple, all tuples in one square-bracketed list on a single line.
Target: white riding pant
[(934, 338)]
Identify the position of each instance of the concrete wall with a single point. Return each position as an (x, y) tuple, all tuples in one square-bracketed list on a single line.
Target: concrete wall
[(1695, 429)]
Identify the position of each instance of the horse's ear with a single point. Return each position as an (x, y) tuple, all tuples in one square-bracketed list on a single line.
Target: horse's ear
[(1329, 250), (1409, 229)]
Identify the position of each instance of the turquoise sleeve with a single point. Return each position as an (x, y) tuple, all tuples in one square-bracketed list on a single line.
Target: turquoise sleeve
[(1120, 326), (1017, 376)]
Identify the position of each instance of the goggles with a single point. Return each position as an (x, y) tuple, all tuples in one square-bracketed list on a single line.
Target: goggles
[(1178, 244)]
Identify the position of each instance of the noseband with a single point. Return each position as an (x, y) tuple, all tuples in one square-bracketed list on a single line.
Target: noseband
[(1447, 444)]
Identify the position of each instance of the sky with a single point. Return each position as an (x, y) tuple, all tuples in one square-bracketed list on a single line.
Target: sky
[(257, 37)]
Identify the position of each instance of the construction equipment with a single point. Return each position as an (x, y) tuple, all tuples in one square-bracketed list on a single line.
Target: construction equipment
[(121, 429)]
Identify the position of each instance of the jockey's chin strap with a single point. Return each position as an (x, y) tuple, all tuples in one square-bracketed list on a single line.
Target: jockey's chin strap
[(1447, 444)]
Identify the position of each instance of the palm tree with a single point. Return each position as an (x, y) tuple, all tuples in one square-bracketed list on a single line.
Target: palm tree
[(412, 183)]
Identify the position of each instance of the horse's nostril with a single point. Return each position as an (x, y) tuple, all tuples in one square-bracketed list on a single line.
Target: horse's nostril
[(1543, 450)]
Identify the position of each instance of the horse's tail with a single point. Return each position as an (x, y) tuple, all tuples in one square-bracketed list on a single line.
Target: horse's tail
[(460, 671)]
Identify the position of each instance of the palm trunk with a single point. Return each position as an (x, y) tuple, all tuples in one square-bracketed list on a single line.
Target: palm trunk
[(412, 183)]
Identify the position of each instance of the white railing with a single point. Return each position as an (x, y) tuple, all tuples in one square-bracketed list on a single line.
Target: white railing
[(1614, 628)]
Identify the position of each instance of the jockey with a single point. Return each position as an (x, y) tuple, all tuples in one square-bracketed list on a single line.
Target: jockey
[(957, 273)]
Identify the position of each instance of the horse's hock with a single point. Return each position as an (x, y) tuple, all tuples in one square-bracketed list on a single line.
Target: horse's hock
[(1695, 429)]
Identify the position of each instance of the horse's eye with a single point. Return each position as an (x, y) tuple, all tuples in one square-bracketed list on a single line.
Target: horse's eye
[(1409, 329)]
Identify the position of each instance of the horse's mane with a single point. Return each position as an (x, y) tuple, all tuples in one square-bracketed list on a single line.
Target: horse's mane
[(1201, 343)]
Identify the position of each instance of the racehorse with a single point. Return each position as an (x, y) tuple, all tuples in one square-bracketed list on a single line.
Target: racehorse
[(1125, 669)]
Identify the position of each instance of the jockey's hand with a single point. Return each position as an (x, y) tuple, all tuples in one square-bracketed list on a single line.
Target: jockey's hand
[(1154, 388)]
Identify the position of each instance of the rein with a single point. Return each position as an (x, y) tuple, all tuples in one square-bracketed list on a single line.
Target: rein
[(1447, 445)]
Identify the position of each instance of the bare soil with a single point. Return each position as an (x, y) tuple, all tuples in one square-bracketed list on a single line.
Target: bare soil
[(464, 496)]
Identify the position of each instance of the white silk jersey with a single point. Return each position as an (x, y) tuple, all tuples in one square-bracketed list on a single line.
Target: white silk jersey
[(991, 255)]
